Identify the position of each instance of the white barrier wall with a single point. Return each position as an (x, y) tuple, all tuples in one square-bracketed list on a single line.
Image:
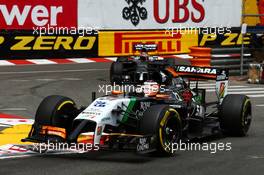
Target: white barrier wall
[(158, 14), (120, 14)]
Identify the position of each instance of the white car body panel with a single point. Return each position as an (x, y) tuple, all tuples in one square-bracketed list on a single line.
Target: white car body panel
[(100, 112)]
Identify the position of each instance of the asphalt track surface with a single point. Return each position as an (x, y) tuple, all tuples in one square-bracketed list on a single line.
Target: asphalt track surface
[(23, 87)]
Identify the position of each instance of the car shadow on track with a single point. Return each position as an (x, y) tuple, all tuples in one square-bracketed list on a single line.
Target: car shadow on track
[(106, 156), (124, 156)]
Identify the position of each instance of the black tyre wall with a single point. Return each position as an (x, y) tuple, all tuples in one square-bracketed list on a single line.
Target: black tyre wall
[(233, 110), (56, 111)]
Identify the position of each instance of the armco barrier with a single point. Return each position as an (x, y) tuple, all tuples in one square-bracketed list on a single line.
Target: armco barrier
[(229, 58)]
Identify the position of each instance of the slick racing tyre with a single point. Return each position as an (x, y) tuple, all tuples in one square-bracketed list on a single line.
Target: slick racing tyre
[(116, 71), (56, 111), (164, 123), (235, 115)]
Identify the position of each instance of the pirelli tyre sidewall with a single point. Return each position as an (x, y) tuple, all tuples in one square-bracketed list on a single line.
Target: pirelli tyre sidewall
[(164, 123), (235, 115), (56, 111)]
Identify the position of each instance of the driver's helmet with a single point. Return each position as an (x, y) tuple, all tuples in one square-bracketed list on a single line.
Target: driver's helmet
[(144, 55), (150, 88)]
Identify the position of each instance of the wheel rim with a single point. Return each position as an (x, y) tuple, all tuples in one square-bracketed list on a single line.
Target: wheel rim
[(246, 118), (170, 131), (63, 116)]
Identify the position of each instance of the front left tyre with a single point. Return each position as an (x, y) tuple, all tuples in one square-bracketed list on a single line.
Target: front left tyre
[(164, 123), (56, 110)]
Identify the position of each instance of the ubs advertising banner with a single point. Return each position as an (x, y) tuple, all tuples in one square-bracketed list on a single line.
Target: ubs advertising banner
[(158, 14)]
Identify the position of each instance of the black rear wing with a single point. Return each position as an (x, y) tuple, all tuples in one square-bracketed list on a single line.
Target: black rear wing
[(145, 47), (221, 77), (208, 73)]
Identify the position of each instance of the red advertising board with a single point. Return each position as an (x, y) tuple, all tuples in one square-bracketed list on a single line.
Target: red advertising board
[(26, 14)]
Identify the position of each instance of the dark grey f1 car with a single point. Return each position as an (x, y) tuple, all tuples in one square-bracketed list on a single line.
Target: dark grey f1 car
[(146, 121)]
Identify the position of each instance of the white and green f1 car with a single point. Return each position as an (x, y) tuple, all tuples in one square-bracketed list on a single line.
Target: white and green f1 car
[(146, 122)]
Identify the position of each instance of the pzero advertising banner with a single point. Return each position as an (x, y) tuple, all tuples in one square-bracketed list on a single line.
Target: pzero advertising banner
[(20, 45), (158, 14), (229, 38)]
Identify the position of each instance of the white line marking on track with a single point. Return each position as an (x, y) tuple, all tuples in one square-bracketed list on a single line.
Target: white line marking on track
[(213, 87), (15, 156), (203, 84), (256, 96), (45, 79), (246, 89), (256, 157), (13, 109), (72, 79), (19, 80), (248, 92), (260, 105), (241, 90)]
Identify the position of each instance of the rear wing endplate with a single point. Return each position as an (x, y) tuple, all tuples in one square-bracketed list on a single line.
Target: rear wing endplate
[(221, 77)]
